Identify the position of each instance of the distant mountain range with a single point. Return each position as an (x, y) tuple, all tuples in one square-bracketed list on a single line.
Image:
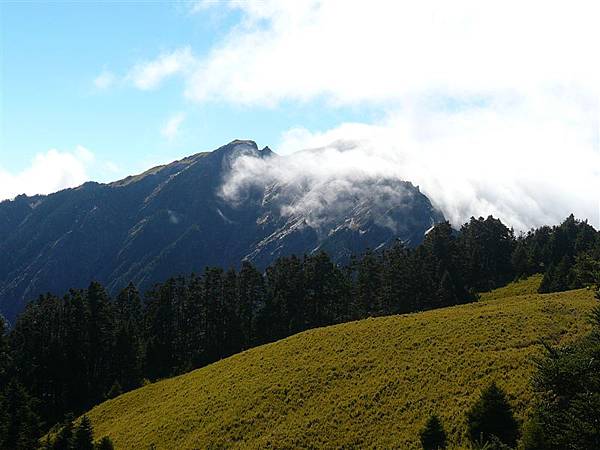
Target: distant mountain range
[(172, 220)]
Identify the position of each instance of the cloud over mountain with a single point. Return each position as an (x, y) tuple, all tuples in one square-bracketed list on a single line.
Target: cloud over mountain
[(491, 108), (48, 172)]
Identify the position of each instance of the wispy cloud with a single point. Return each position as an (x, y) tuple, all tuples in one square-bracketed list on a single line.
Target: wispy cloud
[(48, 172), (150, 74), (104, 80), (170, 129)]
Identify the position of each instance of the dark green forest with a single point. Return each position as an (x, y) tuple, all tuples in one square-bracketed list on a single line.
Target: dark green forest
[(66, 354)]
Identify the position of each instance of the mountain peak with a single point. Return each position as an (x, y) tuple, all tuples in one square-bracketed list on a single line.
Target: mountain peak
[(238, 144)]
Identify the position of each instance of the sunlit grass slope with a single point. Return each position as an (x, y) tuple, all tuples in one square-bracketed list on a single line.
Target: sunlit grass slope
[(521, 287), (365, 384)]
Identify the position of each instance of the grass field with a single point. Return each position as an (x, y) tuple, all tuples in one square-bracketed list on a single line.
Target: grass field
[(366, 384)]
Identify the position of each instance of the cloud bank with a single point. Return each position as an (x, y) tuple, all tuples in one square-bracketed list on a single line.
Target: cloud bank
[(49, 172), (521, 162), (379, 51), (491, 107)]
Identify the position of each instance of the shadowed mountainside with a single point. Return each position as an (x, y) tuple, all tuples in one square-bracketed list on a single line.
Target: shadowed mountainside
[(171, 220)]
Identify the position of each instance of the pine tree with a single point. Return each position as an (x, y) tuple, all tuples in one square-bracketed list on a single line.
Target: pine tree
[(104, 444), (321, 289), (160, 333), (4, 420), (396, 296), (64, 438), (433, 436), (284, 309), (115, 390), (213, 301), (486, 245), (492, 416), (367, 286), (21, 427), (128, 360), (83, 438), (446, 294), (194, 329), (5, 359), (232, 333), (251, 300), (520, 261), (101, 339)]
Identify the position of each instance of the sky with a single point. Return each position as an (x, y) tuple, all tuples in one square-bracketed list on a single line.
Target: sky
[(490, 107)]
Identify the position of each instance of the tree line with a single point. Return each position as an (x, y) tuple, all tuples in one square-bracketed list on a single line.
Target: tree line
[(66, 354)]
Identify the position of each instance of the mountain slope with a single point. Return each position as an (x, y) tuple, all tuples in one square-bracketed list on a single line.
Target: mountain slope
[(363, 384), (172, 220)]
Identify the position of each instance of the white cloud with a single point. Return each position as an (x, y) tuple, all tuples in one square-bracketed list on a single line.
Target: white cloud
[(104, 80), (170, 129), (380, 51), (493, 107), (48, 172), (519, 162), (150, 74)]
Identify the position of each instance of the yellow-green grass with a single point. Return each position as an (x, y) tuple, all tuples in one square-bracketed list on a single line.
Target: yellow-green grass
[(521, 287), (365, 384)]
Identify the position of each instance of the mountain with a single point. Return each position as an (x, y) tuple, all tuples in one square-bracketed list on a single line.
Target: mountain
[(172, 219), (365, 384)]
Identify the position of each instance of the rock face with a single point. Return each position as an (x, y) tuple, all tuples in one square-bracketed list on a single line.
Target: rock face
[(171, 220)]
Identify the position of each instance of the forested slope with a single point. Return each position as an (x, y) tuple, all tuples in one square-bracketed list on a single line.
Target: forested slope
[(360, 384)]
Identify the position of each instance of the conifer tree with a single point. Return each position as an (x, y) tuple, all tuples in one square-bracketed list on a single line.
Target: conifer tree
[(64, 438), (492, 416), (433, 436), (486, 245), (160, 333), (396, 283), (232, 333), (213, 301), (83, 439), (367, 286), (520, 261), (5, 359), (104, 444), (21, 428), (251, 301), (285, 299), (320, 281), (446, 293), (101, 339)]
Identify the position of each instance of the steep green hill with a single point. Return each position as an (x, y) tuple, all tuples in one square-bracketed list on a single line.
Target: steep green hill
[(364, 384)]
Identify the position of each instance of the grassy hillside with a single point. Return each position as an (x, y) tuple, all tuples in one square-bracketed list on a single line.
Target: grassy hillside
[(516, 288), (364, 384)]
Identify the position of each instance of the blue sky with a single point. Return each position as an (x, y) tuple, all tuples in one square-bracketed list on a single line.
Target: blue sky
[(52, 52), (486, 121)]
